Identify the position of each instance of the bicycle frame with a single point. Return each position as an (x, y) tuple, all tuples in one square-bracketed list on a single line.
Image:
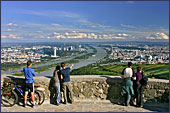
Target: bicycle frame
[(19, 90)]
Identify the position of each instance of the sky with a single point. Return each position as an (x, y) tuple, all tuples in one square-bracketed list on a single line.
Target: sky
[(84, 21)]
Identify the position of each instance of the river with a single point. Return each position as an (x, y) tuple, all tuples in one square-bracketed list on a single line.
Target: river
[(101, 53)]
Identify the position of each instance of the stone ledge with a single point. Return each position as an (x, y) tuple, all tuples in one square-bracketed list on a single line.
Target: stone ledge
[(99, 87), (84, 77)]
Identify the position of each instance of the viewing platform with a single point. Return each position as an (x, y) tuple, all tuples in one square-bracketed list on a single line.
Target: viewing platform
[(94, 93)]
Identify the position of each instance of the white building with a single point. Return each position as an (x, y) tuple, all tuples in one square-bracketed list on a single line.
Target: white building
[(55, 53)]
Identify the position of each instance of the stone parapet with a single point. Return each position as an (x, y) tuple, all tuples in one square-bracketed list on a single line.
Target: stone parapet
[(99, 87)]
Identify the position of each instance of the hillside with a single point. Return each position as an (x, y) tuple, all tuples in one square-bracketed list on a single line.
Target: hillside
[(151, 70)]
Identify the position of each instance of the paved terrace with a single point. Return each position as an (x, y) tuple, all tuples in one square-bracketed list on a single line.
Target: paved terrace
[(87, 106)]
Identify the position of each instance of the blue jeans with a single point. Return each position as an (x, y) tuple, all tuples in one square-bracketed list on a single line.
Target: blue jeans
[(58, 93), (127, 99)]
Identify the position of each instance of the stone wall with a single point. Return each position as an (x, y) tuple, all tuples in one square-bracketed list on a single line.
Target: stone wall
[(98, 87)]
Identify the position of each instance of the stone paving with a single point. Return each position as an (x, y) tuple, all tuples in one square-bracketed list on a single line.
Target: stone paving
[(87, 106)]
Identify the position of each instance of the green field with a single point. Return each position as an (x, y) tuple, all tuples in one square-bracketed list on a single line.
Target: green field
[(151, 70), (160, 71)]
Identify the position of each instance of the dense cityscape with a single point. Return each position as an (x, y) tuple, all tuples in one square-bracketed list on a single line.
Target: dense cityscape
[(124, 53), (20, 54), (143, 55)]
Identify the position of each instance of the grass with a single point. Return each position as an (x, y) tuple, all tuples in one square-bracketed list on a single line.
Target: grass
[(11, 66), (21, 73), (160, 71)]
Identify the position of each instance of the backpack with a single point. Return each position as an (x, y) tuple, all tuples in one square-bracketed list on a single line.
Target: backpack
[(144, 80)]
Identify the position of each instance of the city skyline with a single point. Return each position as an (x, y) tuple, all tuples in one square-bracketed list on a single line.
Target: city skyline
[(84, 21)]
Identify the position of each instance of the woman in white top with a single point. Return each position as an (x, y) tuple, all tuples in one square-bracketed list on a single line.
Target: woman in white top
[(127, 85)]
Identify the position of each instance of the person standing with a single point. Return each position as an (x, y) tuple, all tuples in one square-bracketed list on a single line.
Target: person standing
[(57, 79), (127, 84), (66, 86), (138, 87), (29, 73)]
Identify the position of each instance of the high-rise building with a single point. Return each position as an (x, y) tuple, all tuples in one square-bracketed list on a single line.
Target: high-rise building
[(55, 53), (136, 53)]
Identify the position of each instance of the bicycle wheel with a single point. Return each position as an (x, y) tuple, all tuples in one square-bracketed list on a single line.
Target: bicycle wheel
[(9, 98), (36, 97), (41, 96)]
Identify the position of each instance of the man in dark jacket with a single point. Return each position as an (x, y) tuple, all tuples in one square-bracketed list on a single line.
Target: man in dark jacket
[(66, 86)]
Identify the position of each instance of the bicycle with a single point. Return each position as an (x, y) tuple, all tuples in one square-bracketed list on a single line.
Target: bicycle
[(10, 97)]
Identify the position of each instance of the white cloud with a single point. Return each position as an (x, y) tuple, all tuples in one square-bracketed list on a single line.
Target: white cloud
[(83, 21), (3, 36), (130, 2), (8, 30), (12, 36), (38, 31), (73, 35), (11, 30), (123, 34), (102, 26), (127, 26), (52, 13), (93, 25), (90, 25), (55, 33), (150, 37), (57, 25), (14, 25), (11, 25), (162, 36), (119, 37), (81, 35), (62, 28), (158, 36), (15, 37)]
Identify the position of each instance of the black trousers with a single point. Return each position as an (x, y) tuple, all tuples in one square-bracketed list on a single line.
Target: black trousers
[(138, 94)]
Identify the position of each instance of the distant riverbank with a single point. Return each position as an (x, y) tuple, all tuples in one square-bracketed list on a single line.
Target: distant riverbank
[(101, 53), (50, 63)]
